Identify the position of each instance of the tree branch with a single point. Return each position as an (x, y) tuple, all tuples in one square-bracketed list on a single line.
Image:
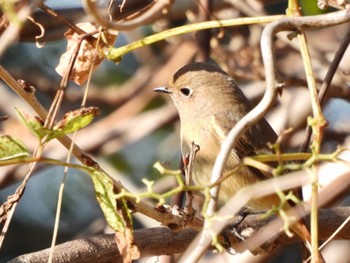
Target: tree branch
[(162, 241)]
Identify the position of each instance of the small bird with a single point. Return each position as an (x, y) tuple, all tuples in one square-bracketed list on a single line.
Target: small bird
[(210, 103)]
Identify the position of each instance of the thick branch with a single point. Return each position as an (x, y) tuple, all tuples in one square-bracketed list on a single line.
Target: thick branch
[(163, 241)]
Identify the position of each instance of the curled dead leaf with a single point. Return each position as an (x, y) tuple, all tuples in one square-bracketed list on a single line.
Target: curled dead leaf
[(88, 56), (126, 246)]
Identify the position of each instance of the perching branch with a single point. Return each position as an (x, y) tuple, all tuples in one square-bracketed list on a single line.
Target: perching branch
[(163, 241)]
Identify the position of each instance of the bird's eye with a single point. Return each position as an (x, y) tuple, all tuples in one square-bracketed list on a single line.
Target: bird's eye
[(186, 92)]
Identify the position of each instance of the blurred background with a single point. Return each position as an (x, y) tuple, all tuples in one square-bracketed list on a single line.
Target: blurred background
[(138, 127)]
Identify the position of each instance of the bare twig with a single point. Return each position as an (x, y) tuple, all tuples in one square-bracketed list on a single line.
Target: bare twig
[(150, 15), (188, 176), (60, 18), (11, 32), (203, 37), (320, 123), (327, 81)]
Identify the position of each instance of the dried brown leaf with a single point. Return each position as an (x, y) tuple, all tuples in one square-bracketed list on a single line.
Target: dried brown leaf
[(88, 56), (126, 245)]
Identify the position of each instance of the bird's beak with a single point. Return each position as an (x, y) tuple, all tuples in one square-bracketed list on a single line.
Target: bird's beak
[(162, 90)]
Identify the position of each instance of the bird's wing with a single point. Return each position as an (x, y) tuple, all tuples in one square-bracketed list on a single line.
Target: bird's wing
[(253, 142)]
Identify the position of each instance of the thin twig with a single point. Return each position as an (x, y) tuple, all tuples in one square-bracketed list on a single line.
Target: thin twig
[(11, 32), (69, 155), (9, 207), (115, 54), (149, 16), (188, 177), (317, 131), (327, 82), (60, 18)]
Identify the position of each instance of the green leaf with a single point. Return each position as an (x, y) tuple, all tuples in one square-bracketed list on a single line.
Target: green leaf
[(71, 122), (107, 200), (11, 148), (75, 120), (35, 125)]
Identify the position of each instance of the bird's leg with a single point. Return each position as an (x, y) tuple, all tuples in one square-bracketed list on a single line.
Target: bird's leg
[(233, 231), (232, 227)]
